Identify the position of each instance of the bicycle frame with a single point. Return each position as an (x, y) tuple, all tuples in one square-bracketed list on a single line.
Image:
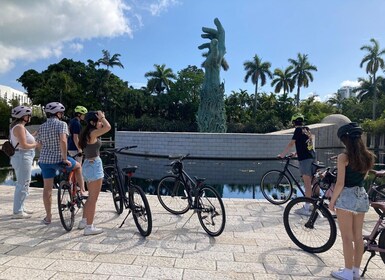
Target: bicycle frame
[(287, 171), (191, 187)]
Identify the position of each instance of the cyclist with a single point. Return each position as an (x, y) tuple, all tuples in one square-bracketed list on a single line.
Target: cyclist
[(73, 140), (350, 199), (303, 142), (52, 139), (90, 142)]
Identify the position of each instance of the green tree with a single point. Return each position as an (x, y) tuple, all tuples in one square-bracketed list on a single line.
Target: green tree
[(160, 79), (336, 100), (109, 61), (373, 61), (283, 80), (302, 73), (257, 70)]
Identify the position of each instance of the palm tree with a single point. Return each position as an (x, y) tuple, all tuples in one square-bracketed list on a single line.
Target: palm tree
[(255, 70), (160, 79), (283, 80), (337, 99), (109, 61), (366, 89), (301, 73), (373, 62)]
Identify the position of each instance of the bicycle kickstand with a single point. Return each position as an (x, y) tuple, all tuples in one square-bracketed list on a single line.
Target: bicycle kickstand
[(372, 254), (129, 212), (188, 219)]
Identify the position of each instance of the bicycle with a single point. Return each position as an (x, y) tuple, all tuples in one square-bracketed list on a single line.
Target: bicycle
[(69, 197), (277, 185), (317, 232), (179, 193), (126, 193)]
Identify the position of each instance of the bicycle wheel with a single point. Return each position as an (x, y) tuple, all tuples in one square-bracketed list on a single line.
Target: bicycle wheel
[(313, 231), (378, 195), (276, 187), (381, 244), (172, 195), (211, 211), (110, 181), (141, 210), (66, 205)]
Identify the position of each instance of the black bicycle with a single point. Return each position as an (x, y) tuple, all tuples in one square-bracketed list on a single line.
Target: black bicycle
[(277, 185), (126, 193), (315, 230), (178, 193)]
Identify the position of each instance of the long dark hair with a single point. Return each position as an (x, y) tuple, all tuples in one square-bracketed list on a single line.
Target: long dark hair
[(360, 158), (84, 135)]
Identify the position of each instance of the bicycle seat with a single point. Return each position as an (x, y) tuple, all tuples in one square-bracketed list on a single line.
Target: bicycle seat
[(199, 180), (319, 166), (378, 173), (378, 205), (129, 169)]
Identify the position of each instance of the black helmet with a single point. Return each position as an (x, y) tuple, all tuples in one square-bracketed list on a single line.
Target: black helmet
[(91, 116), (352, 130)]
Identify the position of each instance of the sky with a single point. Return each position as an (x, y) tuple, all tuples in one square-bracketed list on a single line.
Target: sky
[(35, 34)]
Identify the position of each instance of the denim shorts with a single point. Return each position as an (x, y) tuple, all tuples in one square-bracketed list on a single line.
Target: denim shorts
[(306, 167), (92, 169), (353, 199), (48, 170)]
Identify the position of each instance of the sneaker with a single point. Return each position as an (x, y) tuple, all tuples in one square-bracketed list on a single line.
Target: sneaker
[(92, 230), (30, 212), (303, 211), (21, 215), (356, 274), (82, 224), (343, 274)]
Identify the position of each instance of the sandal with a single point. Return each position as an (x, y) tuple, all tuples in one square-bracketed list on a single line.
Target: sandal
[(46, 221)]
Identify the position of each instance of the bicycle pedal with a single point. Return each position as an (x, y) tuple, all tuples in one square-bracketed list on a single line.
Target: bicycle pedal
[(184, 197), (83, 197)]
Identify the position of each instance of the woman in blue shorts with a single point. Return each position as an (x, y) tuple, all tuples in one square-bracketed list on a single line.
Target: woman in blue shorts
[(349, 198), (90, 143)]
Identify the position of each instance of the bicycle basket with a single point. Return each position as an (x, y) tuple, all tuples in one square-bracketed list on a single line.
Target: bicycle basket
[(177, 167), (327, 178)]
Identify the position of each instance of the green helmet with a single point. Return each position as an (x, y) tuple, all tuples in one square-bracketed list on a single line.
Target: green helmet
[(81, 110), (297, 116)]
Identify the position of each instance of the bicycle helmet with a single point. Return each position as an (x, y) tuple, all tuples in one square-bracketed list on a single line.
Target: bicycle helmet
[(352, 130), (91, 116), (54, 107), (297, 116), (21, 111), (81, 110)]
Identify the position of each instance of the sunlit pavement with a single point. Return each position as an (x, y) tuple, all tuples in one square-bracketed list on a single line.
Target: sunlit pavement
[(254, 245)]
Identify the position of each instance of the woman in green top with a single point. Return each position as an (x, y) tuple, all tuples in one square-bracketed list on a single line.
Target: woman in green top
[(349, 198)]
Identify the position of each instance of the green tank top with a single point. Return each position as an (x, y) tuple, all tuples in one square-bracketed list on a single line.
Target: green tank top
[(353, 178)]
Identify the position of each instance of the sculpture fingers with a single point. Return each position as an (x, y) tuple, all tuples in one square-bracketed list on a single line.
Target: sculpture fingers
[(204, 46), (211, 31), (219, 25)]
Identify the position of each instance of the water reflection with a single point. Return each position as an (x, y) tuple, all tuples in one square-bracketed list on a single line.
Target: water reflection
[(232, 178)]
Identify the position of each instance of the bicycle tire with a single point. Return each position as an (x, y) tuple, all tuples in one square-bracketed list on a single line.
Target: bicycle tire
[(381, 244), (276, 187), (141, 210), (210, 206), (315, 233), (66, 205), (378, 195), (111, 181), (172, 195)]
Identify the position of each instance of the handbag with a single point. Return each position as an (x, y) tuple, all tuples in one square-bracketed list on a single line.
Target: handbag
[(8, 148)]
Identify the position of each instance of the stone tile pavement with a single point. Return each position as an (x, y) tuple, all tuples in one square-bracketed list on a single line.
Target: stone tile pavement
[(254, 245)]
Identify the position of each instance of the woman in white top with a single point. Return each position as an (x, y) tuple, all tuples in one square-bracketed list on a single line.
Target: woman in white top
[(22, 159)]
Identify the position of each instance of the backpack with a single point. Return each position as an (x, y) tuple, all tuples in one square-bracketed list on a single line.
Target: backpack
[(8, 148)]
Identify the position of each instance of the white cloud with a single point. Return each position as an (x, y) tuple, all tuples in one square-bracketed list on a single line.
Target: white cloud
[(350, 83), (161, 6), (32, 30)]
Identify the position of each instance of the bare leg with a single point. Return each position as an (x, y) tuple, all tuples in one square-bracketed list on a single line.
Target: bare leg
[(94, 188), (358, 221), (345, 223), (79, 177), (47, 198), (307, 182)]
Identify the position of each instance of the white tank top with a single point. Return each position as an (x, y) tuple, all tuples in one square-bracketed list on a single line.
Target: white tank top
[(28, 136)]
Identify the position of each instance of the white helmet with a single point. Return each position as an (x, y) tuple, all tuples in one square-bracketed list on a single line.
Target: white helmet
[(54, 107), (21, 111)]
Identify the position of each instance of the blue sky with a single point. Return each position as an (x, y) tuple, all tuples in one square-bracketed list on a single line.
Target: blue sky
[(35, 34)]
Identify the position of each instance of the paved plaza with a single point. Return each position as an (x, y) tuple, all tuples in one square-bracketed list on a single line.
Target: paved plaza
[(254, 245)]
